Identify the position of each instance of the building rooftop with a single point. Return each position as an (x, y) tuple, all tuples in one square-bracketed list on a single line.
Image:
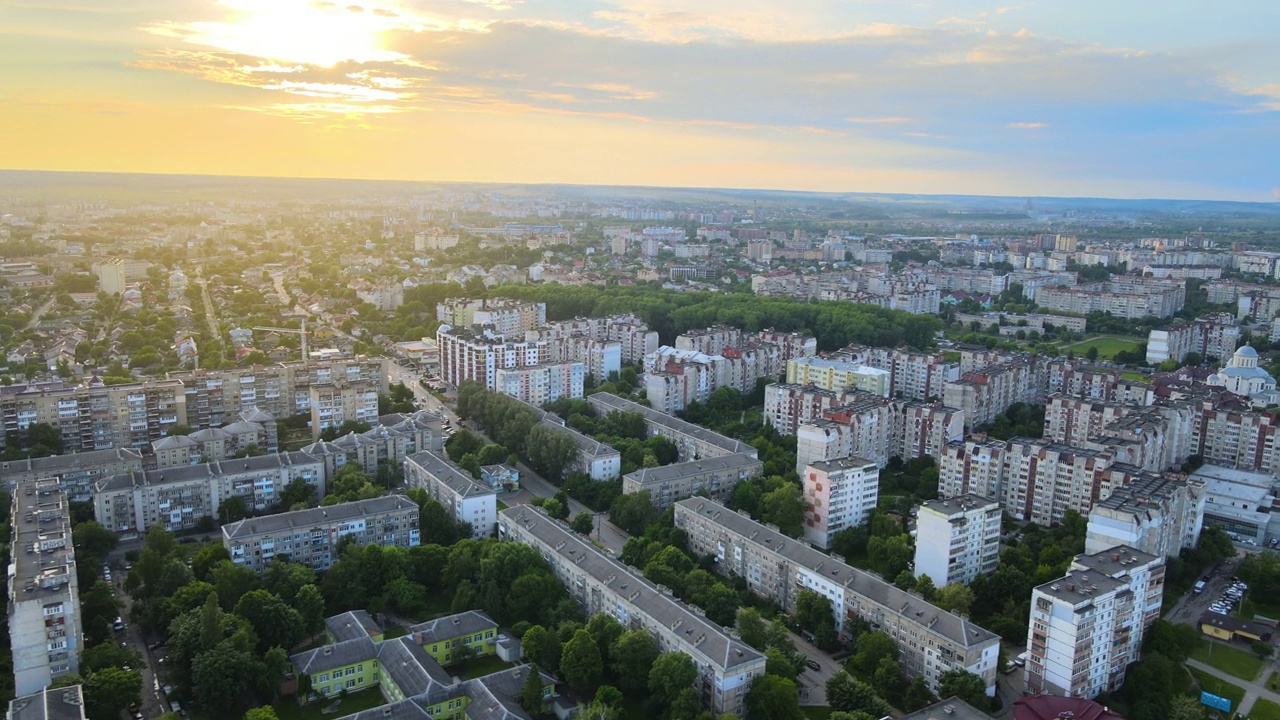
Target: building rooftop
[(452, 626), (952, 708), (313, 517), (352, 625), (948, 625), (1210, 473), (49, 704), (1115, 562), (411, 668), (844, 463), (692, 468), (1053, 707), (960, 504), (702, 636), (220, 468), (1080, 587), (674, 424), (335, 655), (451, 476), (1144, 493), (43, 560), (56, 464)]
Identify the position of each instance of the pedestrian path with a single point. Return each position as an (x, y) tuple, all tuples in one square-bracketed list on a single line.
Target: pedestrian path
[(1252, 690)]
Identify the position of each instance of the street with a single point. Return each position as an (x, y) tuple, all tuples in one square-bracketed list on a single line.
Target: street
[(153, 703)]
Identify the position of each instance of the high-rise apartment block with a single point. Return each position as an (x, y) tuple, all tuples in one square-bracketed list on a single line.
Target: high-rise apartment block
[(464, 497), (45, 631), (1128, 297), (1157, 514), (912, 375), (957, 539), (476, 354), (988, 391), (334, 403), (973, 466), (75, 473), (838, 494), (1214, 336), (540, 384), (692, 441), (1086, 627), (96, 417), (930, 641), (505, 316), (311, 537), (579, 339), (179, 497), (602, 584), (836, 375), (395, 437)]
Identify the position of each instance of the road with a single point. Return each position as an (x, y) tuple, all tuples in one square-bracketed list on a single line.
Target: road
[(153, 704), (39, 313)]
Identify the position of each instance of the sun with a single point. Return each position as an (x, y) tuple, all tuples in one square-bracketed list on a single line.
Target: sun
[(296, 32)]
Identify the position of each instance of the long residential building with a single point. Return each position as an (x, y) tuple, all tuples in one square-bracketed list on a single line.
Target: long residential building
[(833, 425), (957, 539), (717, 476), (675, 377), (973, 466), (912, 375), (311, 536), (94, 416), (476, 353), (602, 584), (984, 393), (464, 497), (931, 641), (1128, 297), (837, 375), (45, 631), (543, 383), (1214, 336), (1157, 514), (507, 316), (394, 437), (692, 441), (1087, 627), (180, 497), (76, 473)]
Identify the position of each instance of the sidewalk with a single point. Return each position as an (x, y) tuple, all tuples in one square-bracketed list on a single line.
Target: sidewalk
[(1252, 690)]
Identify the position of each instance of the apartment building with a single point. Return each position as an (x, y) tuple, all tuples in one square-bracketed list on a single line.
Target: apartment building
[(930, 641), (838, 494), (64, 703), (476, 353), (540, 384), (217, 443), (922, 429), (1044, 479), (1128, 297), (836, 375), (787, 406), (334, 403), (869, 424), (179, 497), (1157, 514), (675, 377), (1230, 436), (311, 536), (1086, 627), (692, 441), (711, 340), (957, 539), (1067, 377), (1213, 336), (1073, 421), (95, 417), (986, 392), (793, 345), (973, 466), (75, 473), (465, 498), (600, 357), (912, 375), (215, 398), (715, 475), (45, 631), (508, 317), (395, 437), (601, 584)]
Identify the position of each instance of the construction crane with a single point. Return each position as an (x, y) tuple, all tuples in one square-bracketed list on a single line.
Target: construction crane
[(306, 356)]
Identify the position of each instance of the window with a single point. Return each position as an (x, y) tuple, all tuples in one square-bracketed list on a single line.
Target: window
[(435, 648), (351, 671), (324, 678), (478, 637), (489, 634)]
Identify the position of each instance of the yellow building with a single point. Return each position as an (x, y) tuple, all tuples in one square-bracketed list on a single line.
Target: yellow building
[(836, 375)]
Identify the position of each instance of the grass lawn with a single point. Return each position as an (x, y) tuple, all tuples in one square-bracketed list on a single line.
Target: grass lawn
[(394, 632), (1264, 709), (287, 709), (1108, 345), (815, 712), (1228, 659), (502, 505), (1207, 682), (1273, 682), (1132, 375), (1262, 607), (481, 666)]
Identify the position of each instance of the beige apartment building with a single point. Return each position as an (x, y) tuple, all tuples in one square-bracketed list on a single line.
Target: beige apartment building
[(76, 473), (716, 475), (95, 417)]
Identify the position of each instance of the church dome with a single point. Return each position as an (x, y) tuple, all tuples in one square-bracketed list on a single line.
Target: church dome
[(1246, 351)]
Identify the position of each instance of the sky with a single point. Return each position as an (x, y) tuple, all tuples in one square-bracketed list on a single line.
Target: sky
[(1169, 99)]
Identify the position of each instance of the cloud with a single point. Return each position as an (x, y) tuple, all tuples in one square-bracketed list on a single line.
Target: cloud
[(1026, 125), (892, 120)]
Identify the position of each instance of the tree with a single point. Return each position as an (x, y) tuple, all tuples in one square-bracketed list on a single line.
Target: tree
[(955, 597), (555, 509), (583, 523), (537, 644), (99, 609), (109, 691), (633, 512), (814, 613), (219, 677), (844, 692), (779, 663), (926, 588), (231, 581), (888, 678), (752, 628), (275, 666), (310, 606), (531, 693), (1185, 707), (773, 698), (266, 712), (631, 658), (580, 662), (784, 507), (207, 557), (298, 492), (671, 673), (108, 654), (605, 630), (92, 541), (232, 509), (871, 647), (272, 619), (918, 695), (964, 685)]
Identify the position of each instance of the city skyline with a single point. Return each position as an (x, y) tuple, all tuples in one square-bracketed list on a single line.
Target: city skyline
[(968, 97)]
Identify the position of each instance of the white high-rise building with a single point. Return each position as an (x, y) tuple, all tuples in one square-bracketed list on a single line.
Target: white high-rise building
[(957, 539), (1087, 626), (838, 494)]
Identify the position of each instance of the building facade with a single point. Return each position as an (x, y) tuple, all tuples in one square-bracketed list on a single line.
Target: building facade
[(715, 475), (838, 494), (464, 497), (957, 539)]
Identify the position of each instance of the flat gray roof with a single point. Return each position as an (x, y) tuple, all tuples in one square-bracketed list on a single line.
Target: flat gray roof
[(449, 475), (49, 704), (960, 504), (693, 468), (1079, 587), (313, 517), (72, 461), (220, 468), (952, 708), (862, 583), (728, 444), (41, 520), (718, 646), (1115, 561)]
